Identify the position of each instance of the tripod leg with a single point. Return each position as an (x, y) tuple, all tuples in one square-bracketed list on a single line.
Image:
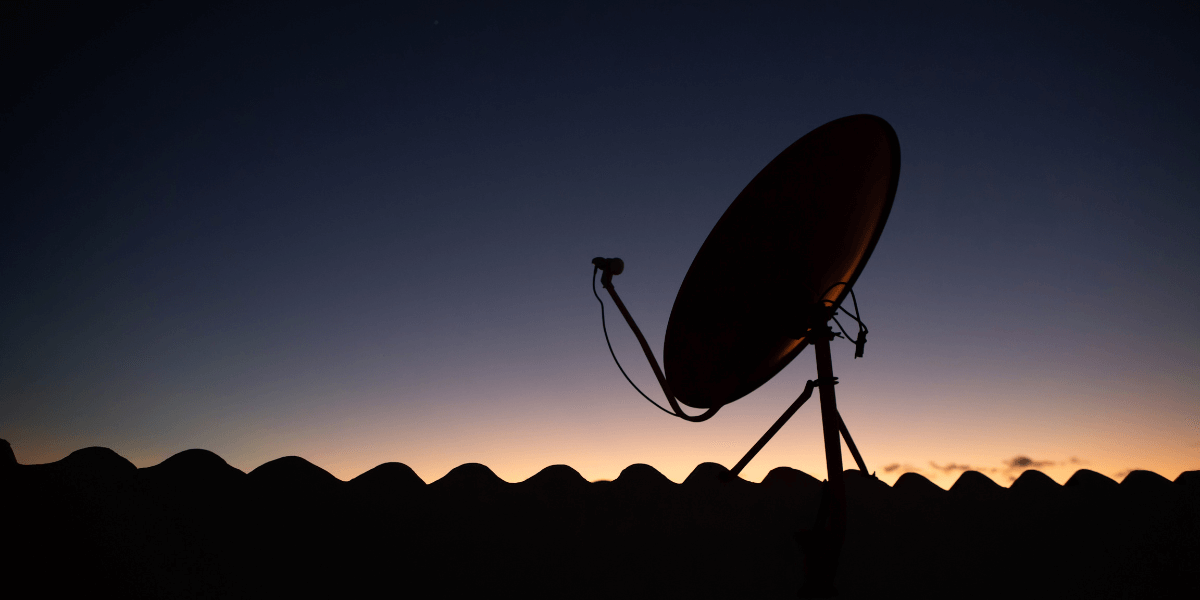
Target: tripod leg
[(862, 466), (787, 414)]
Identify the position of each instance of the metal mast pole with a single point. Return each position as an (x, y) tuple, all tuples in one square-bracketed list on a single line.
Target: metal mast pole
[(822, 545)]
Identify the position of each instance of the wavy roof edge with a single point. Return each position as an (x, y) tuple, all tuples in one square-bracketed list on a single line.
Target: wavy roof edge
[(566, 475)]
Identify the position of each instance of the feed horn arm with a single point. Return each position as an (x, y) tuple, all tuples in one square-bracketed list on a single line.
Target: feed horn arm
[(615, 266)]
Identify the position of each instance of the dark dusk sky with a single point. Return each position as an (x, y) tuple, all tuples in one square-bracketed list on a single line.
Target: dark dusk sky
[(362, 232)]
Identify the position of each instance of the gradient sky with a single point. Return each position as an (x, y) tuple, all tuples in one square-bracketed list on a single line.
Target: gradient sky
[(361, 233)]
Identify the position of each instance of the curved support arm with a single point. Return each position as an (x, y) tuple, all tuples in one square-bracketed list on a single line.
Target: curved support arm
[(606, 283)]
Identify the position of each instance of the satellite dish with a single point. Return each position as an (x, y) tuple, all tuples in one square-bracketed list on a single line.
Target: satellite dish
[(766, 283), (797, 236)]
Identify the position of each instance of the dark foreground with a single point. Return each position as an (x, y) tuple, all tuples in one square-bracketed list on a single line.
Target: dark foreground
[(93, 525)]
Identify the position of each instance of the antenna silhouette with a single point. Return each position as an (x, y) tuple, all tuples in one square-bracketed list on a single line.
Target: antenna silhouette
[(750, 302)]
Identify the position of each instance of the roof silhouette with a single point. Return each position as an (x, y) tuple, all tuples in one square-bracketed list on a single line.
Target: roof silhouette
[(292, 472), (94, 466), (7, 458), (865, 483), (192, 476), (1189, 478), (1139, 479), (1034, 482), (556, 478), (98, 460), (298, 532), (469, 477), (642, 476), (973, 485), (388, 478), (195, 463), (917, 486), (1091, 480), (787, 476), (710, 475)]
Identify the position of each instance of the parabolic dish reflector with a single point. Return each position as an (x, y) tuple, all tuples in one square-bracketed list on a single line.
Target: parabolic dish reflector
[(805, 224)]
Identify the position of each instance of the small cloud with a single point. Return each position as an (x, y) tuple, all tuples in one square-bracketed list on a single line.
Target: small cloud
[(947, 468), (1011, 469), (1121, 474), (1024, 462), (951, 467), (902, 468)]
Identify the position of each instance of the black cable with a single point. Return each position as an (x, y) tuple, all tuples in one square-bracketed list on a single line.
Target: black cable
[(857, 312), (843, 308), (604, 326), (862, 326), (839, 324), (861, 339)]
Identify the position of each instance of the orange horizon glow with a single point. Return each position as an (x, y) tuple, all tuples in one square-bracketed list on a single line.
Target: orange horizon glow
[(941, 473)]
